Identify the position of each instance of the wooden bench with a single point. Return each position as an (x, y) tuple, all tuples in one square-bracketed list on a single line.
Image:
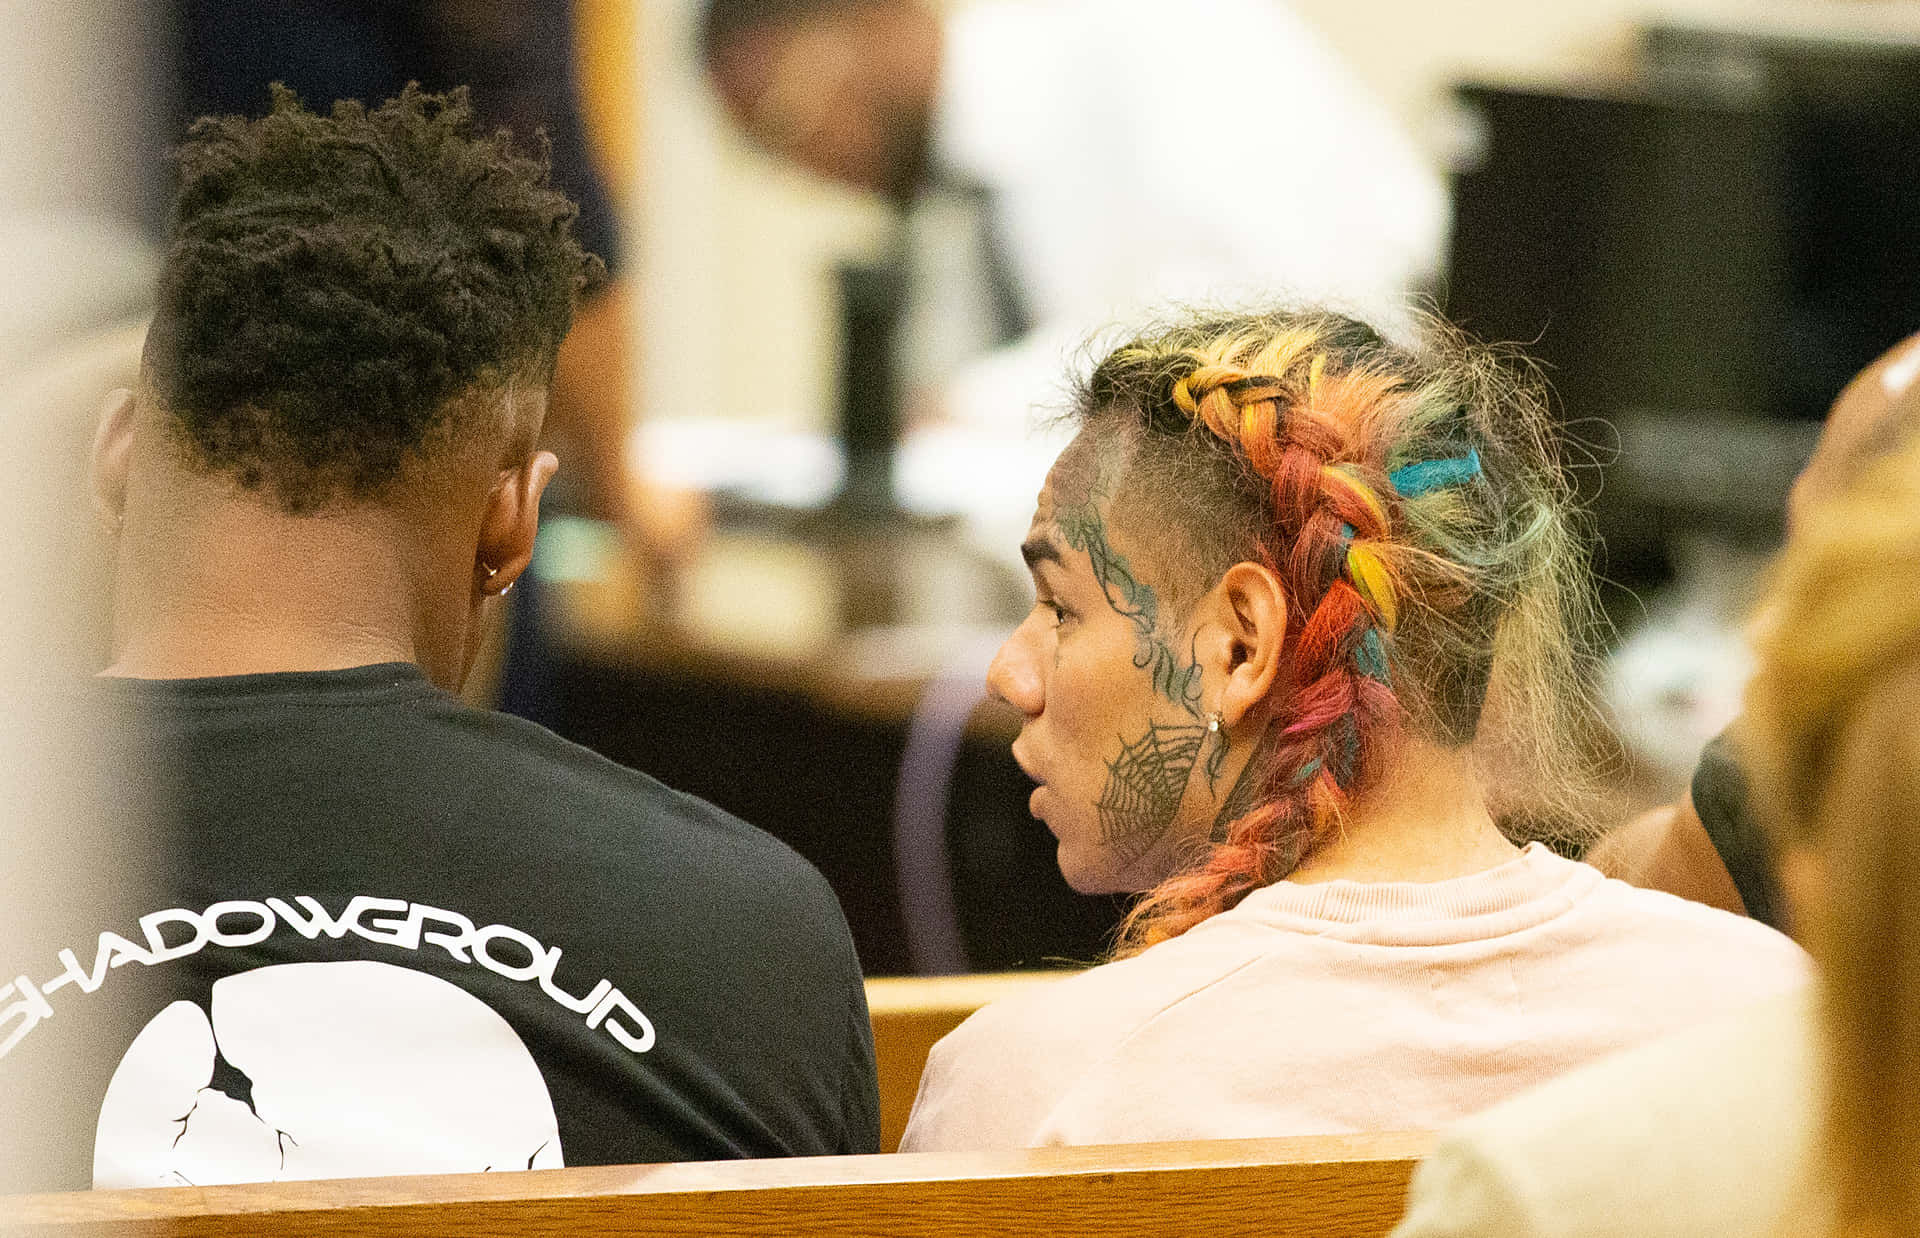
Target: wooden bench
[(1317, 1187), (909, 1014)]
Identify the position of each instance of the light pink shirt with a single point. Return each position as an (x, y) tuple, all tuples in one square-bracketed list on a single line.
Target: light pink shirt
[(1346, 1006)]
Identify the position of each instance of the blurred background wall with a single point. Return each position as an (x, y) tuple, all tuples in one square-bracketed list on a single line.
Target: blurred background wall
[(78, 172), (77, 180), (738, 249), (75, 83)]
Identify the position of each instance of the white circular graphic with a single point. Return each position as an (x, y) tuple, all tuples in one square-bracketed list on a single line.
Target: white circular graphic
[(323, 1070)]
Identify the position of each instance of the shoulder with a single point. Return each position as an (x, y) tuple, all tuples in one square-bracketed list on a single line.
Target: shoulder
[(988, 1083), (1673, 955), (529, 753), (1699, 1135), (627, 835), (1083, 1014), (992, 1081), (1655, 917)]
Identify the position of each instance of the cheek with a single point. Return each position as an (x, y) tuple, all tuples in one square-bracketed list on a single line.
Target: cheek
[(1089, 710), (1074, 692)]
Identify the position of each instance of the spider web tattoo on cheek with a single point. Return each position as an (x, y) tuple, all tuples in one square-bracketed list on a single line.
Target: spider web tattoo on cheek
[(1145, 785)]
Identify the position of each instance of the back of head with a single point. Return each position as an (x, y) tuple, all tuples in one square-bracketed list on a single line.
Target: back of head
[(1831, 741), (1411, 505), (335, 286)]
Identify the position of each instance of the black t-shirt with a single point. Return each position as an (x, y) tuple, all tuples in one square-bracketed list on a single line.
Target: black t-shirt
[(1722, 802), (390, 933)]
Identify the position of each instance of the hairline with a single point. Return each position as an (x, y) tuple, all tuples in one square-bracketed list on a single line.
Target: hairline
[(505, 390), (1157, 543)]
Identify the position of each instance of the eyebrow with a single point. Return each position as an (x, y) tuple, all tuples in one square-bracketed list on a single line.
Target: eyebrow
[(1038, 550)]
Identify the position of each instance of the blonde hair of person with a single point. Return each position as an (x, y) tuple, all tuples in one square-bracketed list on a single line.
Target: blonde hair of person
[(1832, 735)]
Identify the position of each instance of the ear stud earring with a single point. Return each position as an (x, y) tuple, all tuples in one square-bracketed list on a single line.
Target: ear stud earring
[(1213, 723)]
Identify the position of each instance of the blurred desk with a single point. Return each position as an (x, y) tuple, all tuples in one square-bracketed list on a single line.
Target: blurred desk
[(858, 619), (777, 677)]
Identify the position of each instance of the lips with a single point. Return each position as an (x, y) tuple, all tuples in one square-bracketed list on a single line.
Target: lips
[(1033, 800), (1025, 764)]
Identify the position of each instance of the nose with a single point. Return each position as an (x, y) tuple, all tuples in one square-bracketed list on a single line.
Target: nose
[(1014, 674)]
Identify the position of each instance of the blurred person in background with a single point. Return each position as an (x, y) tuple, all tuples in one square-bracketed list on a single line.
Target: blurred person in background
[(1306, 668), (1119, 153), (388, 932), (1799, 1117), (1709, 845)]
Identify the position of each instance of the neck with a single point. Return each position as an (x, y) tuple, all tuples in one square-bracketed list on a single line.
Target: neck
[(1426, 820), (228, 585)]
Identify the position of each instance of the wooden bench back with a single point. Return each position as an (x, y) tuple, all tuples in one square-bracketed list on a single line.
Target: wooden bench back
[(1318, 1187)]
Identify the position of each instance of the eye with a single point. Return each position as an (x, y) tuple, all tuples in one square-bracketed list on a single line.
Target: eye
[(1059, 613)]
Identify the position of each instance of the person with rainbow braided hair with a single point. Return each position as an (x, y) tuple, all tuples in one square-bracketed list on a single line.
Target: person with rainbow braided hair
[(1306, 670)]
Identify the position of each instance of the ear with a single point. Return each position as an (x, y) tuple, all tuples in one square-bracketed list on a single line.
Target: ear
[(510, 522), (112, 457), (1240, 642)]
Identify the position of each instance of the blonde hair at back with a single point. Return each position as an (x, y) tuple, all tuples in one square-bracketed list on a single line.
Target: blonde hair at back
[(1832, 737)]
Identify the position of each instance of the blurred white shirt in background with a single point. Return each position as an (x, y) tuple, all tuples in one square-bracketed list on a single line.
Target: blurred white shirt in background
[(1132, 154), (1137, 152)]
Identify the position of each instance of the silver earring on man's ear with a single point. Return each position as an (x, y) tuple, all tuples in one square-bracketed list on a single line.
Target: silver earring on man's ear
[(1213, 722)]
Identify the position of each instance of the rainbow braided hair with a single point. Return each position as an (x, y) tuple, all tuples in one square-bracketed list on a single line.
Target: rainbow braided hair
[(1411, 506)]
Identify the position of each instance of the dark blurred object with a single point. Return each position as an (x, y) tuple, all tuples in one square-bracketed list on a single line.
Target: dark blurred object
[(518, 57), (823, 780), (872, 296), (1701, 256)]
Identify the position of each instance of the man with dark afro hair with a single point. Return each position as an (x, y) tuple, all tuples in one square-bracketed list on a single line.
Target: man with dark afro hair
[(393, 933), (335, 285)]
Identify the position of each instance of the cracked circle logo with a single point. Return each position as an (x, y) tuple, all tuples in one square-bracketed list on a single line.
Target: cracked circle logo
[(323, 1070)]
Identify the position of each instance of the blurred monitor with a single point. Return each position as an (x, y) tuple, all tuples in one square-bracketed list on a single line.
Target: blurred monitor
[(1701, 256)]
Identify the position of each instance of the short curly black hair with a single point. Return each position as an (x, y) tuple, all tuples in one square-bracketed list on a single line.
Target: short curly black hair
[(334, 284)]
